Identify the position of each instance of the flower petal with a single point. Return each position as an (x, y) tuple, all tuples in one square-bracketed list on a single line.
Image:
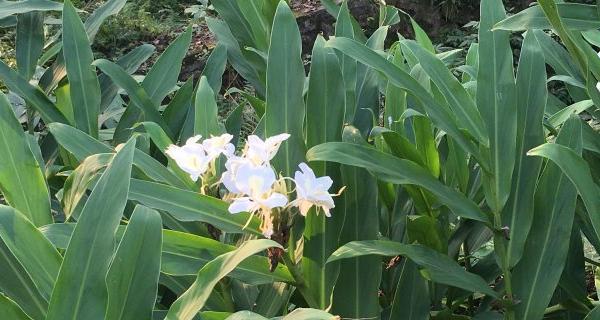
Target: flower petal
[(243, 204)]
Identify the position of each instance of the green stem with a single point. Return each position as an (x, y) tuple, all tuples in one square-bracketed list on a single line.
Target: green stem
[(500, 248)]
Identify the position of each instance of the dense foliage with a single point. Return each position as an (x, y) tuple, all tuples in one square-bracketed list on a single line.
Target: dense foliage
[(380, 181)]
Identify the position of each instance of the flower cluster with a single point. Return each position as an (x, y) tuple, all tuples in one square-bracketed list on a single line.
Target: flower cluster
[(251, 183)]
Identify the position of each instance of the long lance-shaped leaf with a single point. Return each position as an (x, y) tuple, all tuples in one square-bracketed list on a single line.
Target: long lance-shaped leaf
[(82, 146), (343, 28), (436, 266), (285, 85), (11, 310), (80, 291), (137, 94), (22, 181), (206, 111), (440, 115), (413, 306), (354, 295), (9, 8), (398, 171), (159, 81), (34, 252), (192, 301), (34, 97), (183, 254), (497, 104), (457, 97), (29, 42), (131, 63), (186, 205), (16, 284), (324, 121), (538, 272), (85, 88), (578, 171), (531, 100), (574, 15), (235, 55), (132, 279), (53, 75)]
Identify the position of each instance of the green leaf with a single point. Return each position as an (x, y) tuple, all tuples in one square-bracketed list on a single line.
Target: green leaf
[(531, 100), (575, 16), (11, 310), (94, 21), (82, 146), (538, 272), (132, 279), (578, 172), (557, 119), (131, 61), (186, 205), (34, 97), (439, 114), (76, 185), (160, 80), (285, 85), (183, 254), (411, 300), (234, 52), (421, 37), (34, 252), (8, 8), (29, 42), (215, 67), (192, 301), (22, 181), (398, 171), (497, 104), (80, 290), (324, 122), (206, 121), (355, 293), (139, 96), (16, 284), (84, 85), (436, 266), (457, 97)]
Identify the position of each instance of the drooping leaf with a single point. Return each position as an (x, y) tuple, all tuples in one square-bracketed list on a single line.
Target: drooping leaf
[(34, 97), (436, 266), (395, 170), (192, 301), (187, 205), (575, 16), (22, 181), (8, 8), (183, 254)]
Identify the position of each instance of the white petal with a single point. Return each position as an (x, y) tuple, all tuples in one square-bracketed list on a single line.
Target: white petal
[(243, 204), (324, 183), (275, 200), (227, 180), (193, 139)]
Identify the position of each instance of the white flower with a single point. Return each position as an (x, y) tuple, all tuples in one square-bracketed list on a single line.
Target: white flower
[(312, 191), (191, 157), (261, 152), (215, 146), (227, 178), (256, 184)]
